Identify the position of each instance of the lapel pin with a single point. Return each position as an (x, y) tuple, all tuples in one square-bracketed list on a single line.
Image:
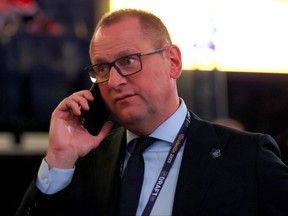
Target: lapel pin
[(215, 153)]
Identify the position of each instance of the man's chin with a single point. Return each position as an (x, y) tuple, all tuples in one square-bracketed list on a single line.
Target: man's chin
[(128, 117)]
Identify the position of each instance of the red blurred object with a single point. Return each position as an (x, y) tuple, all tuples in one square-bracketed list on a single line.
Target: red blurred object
[(27, 14)]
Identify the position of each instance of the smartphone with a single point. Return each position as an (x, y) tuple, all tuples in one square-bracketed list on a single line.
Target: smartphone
[(98, 114)]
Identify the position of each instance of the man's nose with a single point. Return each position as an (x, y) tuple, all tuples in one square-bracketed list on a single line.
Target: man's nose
[(115, 77)]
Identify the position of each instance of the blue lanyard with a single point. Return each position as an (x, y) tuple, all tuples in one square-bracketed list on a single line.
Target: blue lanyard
[(178, 143)]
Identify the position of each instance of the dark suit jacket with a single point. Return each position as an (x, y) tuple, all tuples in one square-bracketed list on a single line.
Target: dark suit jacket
[(248, 178)]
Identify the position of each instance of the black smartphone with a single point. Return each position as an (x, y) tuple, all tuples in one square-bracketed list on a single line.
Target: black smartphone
[(98, 114)]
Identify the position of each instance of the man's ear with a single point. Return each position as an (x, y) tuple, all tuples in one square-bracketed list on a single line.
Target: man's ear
[(176, 61)]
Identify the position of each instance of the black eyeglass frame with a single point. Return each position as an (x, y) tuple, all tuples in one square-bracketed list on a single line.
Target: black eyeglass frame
[(91, 72)]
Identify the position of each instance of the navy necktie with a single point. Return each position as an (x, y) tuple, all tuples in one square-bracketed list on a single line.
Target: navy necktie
[(132, 178)]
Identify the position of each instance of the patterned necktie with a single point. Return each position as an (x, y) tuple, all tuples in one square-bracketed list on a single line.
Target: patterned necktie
[(132, 179)]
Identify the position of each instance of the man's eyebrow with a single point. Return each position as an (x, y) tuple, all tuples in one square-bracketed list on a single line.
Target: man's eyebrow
[(125, 53), (100, 60)]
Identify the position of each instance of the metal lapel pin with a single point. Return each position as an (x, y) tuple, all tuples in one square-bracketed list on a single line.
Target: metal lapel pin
[(215, 153)]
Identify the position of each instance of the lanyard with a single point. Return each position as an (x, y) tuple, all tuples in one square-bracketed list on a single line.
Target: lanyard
[(178, 143)]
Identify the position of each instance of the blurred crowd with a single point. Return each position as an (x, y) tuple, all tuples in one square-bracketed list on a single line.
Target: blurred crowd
[(25, 15)]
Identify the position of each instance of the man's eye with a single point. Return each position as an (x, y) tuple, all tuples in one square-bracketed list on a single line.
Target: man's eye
[(127, 60), (130, 60), (102, 69)]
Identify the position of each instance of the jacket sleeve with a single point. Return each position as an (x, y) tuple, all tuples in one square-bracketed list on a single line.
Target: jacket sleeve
[(37, 203), (272, 179)]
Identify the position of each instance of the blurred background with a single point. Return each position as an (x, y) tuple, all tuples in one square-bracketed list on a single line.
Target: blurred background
[(235, 63)]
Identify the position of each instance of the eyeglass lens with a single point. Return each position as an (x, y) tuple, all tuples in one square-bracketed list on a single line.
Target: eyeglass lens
[(125, 66)]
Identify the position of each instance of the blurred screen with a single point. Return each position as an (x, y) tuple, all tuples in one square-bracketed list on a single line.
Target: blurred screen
[(226, 35)]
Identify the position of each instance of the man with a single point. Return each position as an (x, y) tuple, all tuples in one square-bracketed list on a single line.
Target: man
[(217, 171)]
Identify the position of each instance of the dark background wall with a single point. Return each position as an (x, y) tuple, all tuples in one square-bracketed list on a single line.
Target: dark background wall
[(17, 172), (42, 62), (258, 100), (42, 57)]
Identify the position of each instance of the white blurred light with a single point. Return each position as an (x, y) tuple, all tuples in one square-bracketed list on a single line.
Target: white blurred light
[(227, 35)]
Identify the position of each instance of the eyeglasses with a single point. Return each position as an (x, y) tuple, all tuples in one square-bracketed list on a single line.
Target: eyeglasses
[(125, 66)]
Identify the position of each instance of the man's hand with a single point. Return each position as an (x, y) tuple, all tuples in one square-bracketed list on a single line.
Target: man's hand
[(68, 139)]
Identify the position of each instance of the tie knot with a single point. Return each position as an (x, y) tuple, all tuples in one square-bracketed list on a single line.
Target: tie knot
[(141, 143)]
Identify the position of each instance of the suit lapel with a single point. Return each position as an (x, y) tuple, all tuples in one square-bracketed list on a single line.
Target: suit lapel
[(197, 167), (109, 159)]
